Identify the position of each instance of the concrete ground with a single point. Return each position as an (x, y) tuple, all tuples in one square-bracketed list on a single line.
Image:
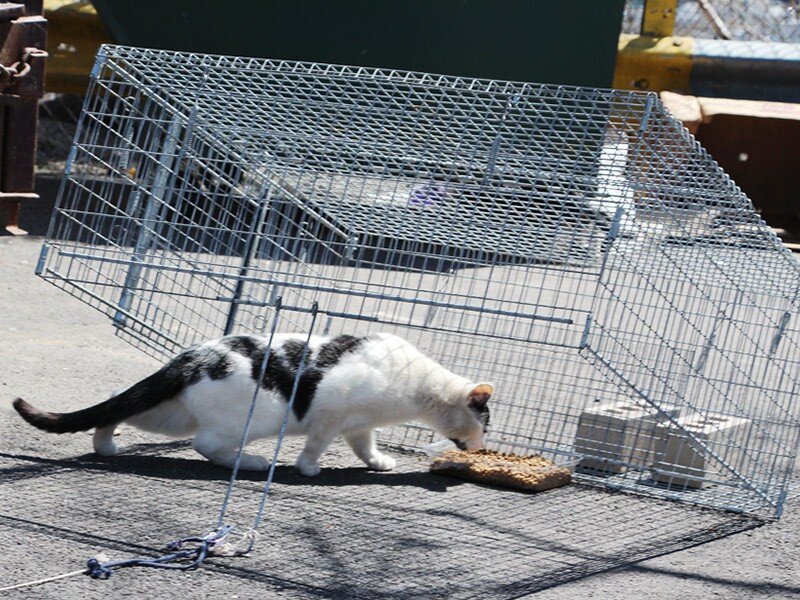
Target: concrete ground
[(349, 533)]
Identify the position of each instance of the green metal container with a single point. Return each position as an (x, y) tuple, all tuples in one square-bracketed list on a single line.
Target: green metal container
[(547, 41)]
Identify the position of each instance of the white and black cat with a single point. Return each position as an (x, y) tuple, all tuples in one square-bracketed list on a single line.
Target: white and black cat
[(349, 386)]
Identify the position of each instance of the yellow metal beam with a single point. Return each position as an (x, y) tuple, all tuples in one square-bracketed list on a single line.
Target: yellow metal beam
[(648, 63), (75, 32), (658, 19)]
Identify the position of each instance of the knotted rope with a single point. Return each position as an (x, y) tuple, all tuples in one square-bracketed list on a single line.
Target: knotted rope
[(180, 557)]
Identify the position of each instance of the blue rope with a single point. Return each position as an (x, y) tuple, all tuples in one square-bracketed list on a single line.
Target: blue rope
[(97, 570)]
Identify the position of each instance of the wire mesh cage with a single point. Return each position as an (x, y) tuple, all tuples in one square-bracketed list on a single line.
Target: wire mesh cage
[(575, 246)]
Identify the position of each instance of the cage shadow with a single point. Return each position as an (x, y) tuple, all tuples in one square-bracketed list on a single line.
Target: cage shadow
[(346, 587), (352, 533), (749, 586)]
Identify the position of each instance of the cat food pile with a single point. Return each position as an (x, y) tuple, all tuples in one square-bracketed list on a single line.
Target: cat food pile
[(528, 473)]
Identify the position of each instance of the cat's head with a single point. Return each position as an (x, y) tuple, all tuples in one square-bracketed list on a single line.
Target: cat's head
[(469, 421)]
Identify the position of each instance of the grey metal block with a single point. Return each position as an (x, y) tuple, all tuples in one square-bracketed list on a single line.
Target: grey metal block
[(682, 463), (612, 436)]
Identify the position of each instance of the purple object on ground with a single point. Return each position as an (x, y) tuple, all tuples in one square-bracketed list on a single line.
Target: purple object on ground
[(427, 195)]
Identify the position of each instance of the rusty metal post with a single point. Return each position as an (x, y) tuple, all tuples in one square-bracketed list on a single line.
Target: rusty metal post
[(23, 36)]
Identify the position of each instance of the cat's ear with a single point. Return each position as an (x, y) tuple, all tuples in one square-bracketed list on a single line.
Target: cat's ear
[(480, 395)]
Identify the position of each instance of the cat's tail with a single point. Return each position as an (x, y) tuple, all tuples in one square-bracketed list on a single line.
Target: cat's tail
[(142, 396)]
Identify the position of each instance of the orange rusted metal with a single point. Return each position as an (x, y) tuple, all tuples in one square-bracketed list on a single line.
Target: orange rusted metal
[(23, 36)]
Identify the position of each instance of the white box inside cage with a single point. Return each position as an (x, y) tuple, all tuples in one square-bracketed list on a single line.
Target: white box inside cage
[(535, 236)]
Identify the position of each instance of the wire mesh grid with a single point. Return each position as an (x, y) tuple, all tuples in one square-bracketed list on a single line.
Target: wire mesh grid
[(574, 246), (756, 20)]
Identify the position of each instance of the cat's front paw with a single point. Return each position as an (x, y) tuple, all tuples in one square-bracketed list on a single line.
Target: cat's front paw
[(251, 462), (381, 462), (308, 469)]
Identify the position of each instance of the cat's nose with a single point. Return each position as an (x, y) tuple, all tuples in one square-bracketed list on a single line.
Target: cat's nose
[(459, 444)]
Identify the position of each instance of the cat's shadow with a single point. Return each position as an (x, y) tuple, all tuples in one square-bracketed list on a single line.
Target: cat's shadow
[(178, 468)]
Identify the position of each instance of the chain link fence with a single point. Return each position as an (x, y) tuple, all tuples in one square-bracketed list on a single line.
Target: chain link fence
[(751, 20)]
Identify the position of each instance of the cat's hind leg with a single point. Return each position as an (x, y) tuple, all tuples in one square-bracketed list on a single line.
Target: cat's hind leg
[(363, 445), (103, 440), (220, 450)]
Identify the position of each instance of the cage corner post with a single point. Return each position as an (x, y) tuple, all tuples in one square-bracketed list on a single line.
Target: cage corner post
[(156, 199), (248, 252)]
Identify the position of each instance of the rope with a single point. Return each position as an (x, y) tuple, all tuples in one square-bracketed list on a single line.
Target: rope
[(285, 422), (41, 581), (195, 556), (213, 544)]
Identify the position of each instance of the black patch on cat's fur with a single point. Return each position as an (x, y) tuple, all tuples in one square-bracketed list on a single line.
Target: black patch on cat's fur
[(306, 388), (482, 412), (190, 366), (277, 376), (245, 345), (220, 368), (284, 363), (459, 444), (309, 379), (293, 350), (249, 347), (332, 352), (166, 383), (329, 355)]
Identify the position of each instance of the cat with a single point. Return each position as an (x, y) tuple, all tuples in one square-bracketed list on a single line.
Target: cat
[(348, 386)]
